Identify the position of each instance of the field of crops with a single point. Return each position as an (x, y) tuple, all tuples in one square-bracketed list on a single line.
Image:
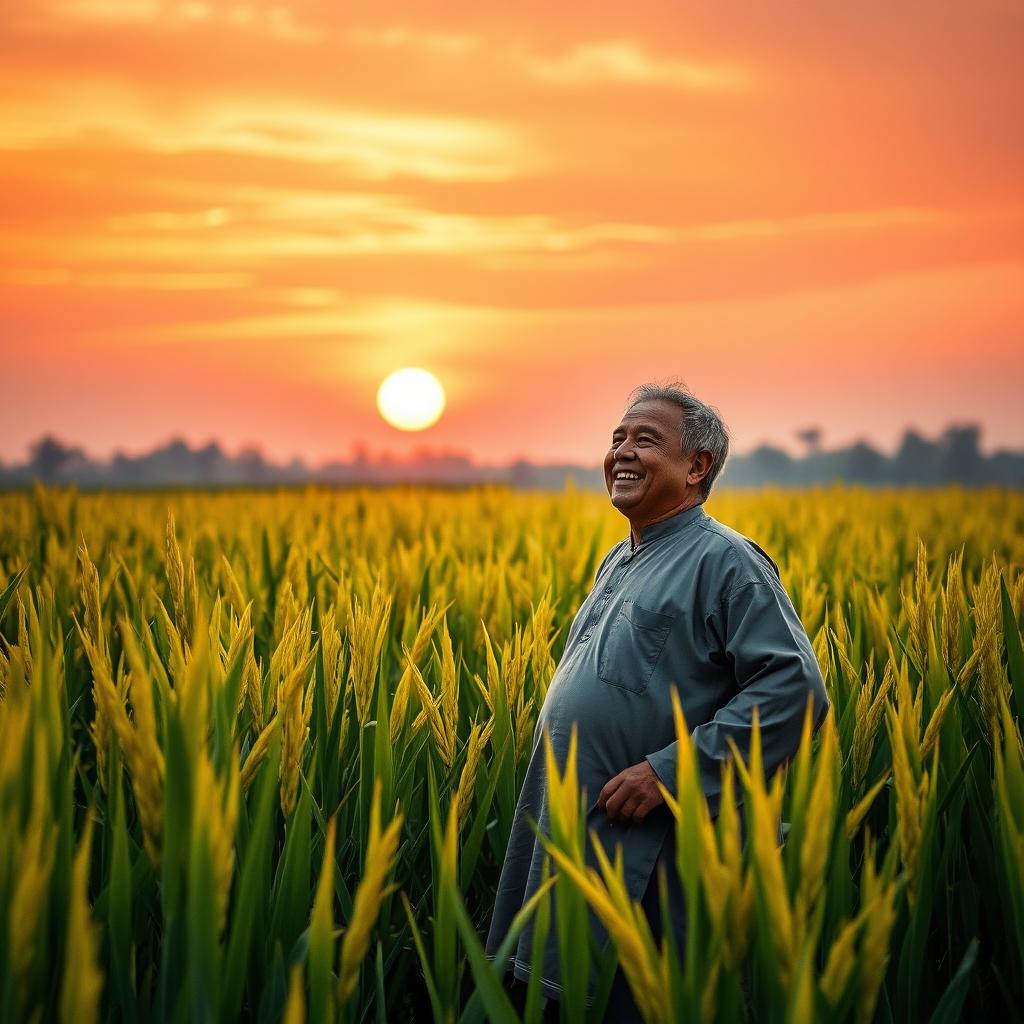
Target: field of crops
[(260, 752)]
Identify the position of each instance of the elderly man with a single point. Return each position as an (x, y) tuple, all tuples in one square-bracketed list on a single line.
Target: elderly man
[(683, 601)]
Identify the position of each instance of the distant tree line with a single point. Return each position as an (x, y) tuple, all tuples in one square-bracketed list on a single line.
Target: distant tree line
[(954, 457)]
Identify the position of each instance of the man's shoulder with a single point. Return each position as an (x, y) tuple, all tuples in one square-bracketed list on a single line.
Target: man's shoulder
[(743, 560)]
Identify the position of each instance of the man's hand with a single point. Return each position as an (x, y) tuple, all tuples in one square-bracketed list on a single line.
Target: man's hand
[(631, 795)]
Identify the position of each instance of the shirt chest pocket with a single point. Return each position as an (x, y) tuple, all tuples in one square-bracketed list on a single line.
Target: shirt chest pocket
[(634, 645)]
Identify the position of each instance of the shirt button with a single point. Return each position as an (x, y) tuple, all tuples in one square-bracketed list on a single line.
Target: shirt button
[(586, 636)]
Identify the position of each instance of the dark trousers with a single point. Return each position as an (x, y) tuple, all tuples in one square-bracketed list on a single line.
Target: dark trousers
[(516, 990)]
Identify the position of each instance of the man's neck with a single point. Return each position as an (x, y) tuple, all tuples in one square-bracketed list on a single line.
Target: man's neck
[(637, 527)]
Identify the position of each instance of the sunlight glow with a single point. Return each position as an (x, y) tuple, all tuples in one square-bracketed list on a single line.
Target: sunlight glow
[(411, 399)]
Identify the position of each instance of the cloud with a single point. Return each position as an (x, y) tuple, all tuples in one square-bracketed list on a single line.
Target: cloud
[(361, 143), (400, 37), (621, 62), (63, 17)]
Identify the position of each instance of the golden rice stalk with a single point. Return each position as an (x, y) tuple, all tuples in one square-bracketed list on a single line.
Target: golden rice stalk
[(35, 862), (564, 796), (83, 979), (241, 637), (815, 846), (863, 741), (294, 707), (443, 741), (802, 994), (625, 922), (235, 594), (89, 589), (841, 643), (542, 636), (479, 736), (182, 583), (908, 711), (177, 648), (988, 643), (24, 647), (524, 726), (766, 806), (709, 991), (878, 895), (333, 653), (287, 609), (842, 959), (857, 813), (399, 706), (932, 730), (257, 754), (15, 726), (138, 742), (490, 689), (295, 1008), (449, 687), (953, 603), (367, 631), (370, 894), (867, 723), (822, 652), (741, 902), (215, 803), (514, 661), (878, 615), (919, 607), (908, 804), (715, 874), (292, 650), (252, 689)]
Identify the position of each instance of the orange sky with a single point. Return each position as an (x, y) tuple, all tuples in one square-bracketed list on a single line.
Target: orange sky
[(232, 220)]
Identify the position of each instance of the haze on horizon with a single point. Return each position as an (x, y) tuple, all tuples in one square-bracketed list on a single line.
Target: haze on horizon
[(232, 220)]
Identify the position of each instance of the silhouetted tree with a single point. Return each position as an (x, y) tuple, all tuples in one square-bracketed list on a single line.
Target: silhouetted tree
[(811, 437), (48, 456)]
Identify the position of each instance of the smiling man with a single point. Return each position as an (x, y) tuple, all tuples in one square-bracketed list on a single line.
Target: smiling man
[(683, 601)]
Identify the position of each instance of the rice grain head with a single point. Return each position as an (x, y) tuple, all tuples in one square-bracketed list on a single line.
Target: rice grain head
[(370, 893)]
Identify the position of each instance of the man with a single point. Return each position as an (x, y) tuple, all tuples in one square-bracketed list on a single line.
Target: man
[(683, 601)]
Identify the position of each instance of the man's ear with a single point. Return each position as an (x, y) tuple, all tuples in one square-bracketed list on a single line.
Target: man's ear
[(700, 467)]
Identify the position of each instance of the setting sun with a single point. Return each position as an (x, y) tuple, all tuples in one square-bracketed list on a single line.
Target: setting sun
[(411, 399)]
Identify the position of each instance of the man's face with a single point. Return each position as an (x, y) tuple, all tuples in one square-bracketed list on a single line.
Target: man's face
[(644, 470)]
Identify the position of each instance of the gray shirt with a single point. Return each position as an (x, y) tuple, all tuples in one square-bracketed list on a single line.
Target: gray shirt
[(696, 605)]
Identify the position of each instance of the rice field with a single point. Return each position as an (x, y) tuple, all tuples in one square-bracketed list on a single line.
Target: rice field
[(260, 753)]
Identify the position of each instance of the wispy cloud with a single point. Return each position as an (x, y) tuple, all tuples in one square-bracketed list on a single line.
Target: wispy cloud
[(275, 21), (401, 37), (360, 144), (622, 62)]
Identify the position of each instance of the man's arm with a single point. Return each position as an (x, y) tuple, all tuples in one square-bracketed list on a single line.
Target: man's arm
[(775, 669)]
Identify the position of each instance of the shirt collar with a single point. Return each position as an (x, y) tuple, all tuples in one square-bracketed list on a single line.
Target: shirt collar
[(668, 526)]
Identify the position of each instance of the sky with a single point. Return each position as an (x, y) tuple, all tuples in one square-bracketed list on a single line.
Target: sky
[(230, 221)]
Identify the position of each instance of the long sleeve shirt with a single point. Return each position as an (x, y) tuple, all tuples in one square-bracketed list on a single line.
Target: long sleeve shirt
[(695, 605)]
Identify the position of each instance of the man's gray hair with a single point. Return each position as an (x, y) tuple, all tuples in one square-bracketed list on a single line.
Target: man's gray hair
[(701, 429)]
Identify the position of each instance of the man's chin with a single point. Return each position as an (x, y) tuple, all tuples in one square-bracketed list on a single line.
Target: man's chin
[(624, 501)]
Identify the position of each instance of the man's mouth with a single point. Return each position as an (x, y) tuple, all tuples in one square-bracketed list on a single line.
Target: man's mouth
[(625, 475)]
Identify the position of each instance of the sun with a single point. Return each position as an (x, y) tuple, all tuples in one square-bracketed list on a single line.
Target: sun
[(411, 399)]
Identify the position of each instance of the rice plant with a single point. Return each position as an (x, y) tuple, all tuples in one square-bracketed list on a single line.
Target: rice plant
[(260, 753)]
